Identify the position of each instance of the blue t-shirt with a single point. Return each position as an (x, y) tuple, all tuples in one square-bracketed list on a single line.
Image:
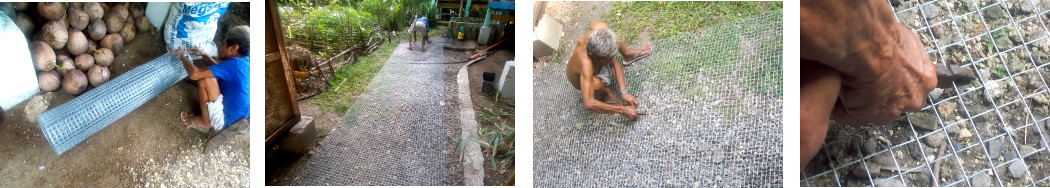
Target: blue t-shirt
[(234, 80)]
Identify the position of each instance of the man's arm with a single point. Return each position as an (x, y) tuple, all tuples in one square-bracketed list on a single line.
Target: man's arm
[(193, 71), (587, 87), (209, 60), (621, 81)]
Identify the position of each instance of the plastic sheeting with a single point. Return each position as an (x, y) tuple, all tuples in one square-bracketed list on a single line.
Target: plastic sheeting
[(19, 75)]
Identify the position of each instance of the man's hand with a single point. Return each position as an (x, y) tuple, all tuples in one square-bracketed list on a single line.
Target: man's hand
[(196, 51), (629, 99), (630, 112), (884, 68), (906, 77), (178, 52)]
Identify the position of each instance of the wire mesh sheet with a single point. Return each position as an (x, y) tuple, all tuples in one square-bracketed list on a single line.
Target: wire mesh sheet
[(992, 132), (714, 103), (76, 120), (402, 130)]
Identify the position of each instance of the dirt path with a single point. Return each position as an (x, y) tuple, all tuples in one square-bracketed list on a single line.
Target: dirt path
[(402, 131)]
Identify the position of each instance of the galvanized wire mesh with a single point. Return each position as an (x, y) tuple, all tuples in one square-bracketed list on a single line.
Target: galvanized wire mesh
[(76, 120), (714, 103), (992, 132), (403, 130)]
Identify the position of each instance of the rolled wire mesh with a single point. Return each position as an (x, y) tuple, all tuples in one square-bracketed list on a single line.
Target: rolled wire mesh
[(713, 99), (993, 132), (402, 130), (76, 120)]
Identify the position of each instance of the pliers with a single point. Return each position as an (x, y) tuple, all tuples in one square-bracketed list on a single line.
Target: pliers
[(953, 73)]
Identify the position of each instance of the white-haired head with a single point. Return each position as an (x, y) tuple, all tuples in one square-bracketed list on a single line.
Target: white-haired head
[(241, 36), (602, 43)]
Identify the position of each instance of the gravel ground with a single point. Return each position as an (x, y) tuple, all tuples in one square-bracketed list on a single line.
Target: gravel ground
[(993, 131), (695, 134), (402, 130), (225, 165)]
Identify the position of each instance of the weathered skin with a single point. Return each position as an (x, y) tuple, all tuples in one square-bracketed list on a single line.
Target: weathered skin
[(582, 69), (883, 68)]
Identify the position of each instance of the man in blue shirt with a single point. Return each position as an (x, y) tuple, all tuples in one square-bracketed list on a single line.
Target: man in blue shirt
[(419, 26), (223, 87)]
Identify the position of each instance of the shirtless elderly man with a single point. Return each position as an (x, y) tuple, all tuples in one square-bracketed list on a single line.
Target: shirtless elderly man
[(593, 69)]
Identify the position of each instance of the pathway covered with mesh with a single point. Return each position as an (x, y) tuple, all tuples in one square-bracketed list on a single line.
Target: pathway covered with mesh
[(714, 105), (402, 130)]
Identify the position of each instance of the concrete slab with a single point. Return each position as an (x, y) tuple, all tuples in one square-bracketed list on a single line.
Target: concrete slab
[(237, 129), (300, 136), (548, 36)]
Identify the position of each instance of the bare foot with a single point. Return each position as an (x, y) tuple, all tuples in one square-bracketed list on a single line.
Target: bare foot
[(638, 53), (185, 117), (192, 122)]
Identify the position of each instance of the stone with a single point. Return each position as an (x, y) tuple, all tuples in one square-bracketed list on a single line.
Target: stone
[(995, 148), (914, 151), (859, 170), (1003, 43), (870, 146), (965, 133), (936, 93), (1040, 57), (1016, 169), (36, 106), (934, 140), (882, 159), (1025, 150), (947, 110), (924, 120), (931, 10), (1022, 8), (994, 13), (994, 89), (895, 182), (981, 180), (896, 2)]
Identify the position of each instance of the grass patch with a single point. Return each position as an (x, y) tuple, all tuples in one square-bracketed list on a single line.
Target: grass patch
[(357, 77), (669, 18)]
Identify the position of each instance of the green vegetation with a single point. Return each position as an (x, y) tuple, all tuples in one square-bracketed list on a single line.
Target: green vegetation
[(721, 45), (496, 133), (330, 27), (357, 77), (338, 25), (669, 18)]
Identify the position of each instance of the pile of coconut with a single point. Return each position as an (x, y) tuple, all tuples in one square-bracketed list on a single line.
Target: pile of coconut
[(68, 40)]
